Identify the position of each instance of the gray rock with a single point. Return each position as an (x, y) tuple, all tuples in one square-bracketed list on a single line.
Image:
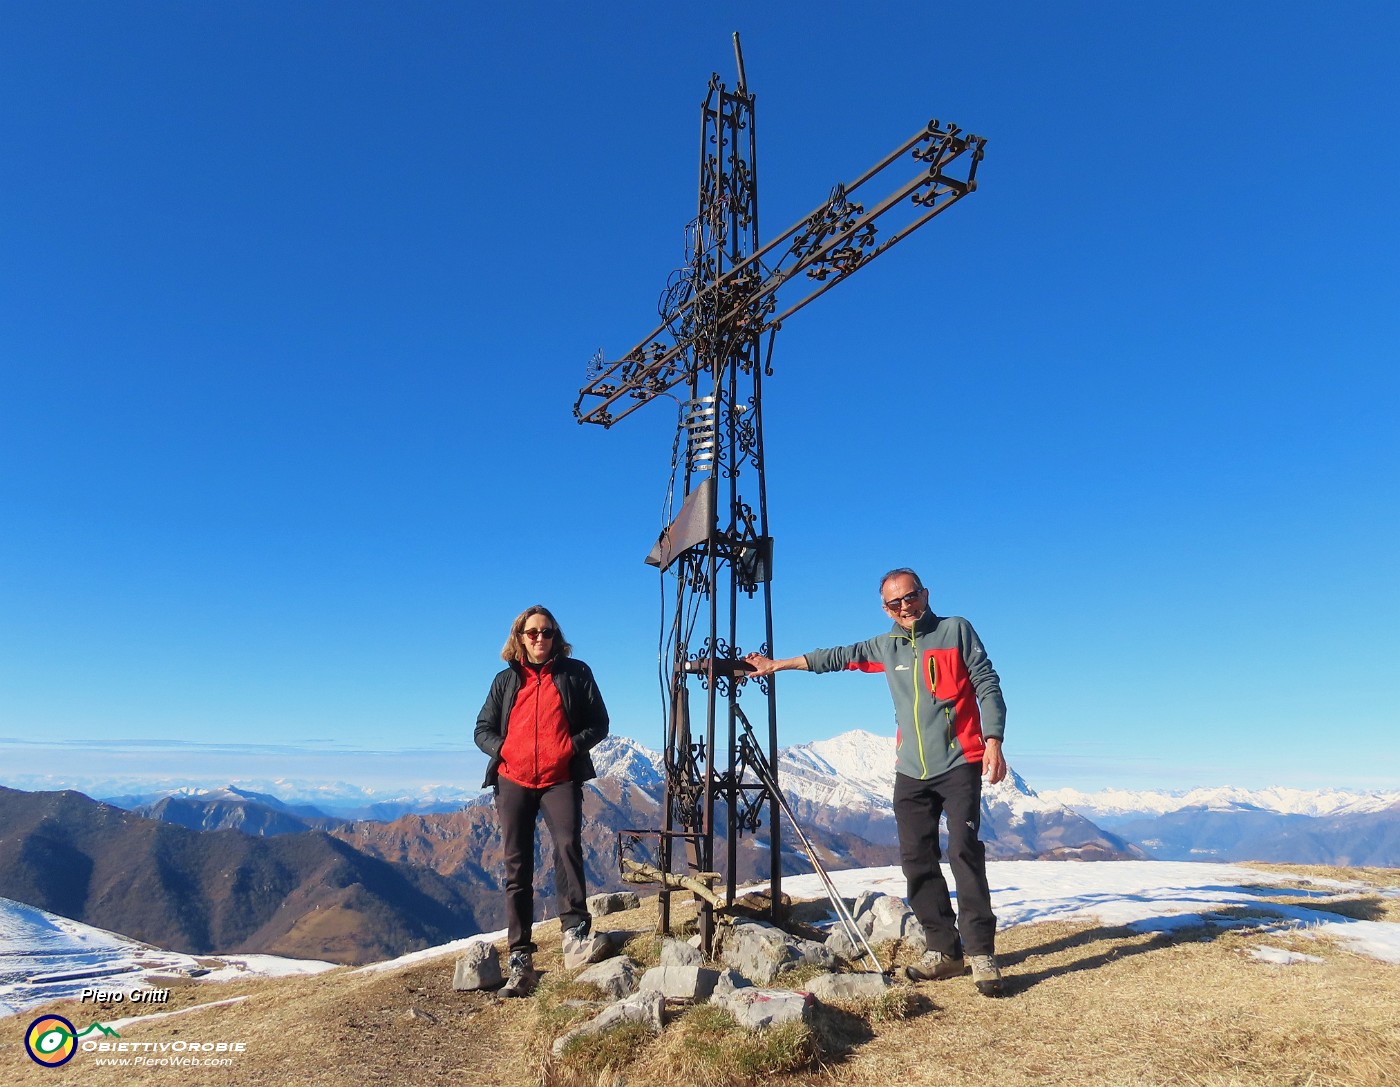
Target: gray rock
[(616, 902), (760, 1008), (836, 988), (761, 951), (893, 920), (728, 981), (693, 983), (644, 1007), (810, 953), (478, 967), (757, 950), (841, 945), (617, 977), (863, 902), (678, 953)]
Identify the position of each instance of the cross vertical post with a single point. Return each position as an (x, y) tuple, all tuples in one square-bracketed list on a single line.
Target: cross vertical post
[(725, 550)]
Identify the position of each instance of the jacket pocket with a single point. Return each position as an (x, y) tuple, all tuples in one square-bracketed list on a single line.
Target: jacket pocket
[(945, 673)]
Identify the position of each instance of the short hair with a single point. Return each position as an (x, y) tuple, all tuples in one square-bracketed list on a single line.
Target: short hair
[(897, 572), (514, 649)]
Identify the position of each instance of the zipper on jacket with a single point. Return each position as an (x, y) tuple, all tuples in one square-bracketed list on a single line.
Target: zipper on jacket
[(535, 772), (918, 732)]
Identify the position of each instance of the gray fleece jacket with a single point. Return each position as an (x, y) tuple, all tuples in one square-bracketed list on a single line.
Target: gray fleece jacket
[(947, 696)]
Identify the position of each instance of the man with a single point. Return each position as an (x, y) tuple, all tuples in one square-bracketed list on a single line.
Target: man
[(951, 717)]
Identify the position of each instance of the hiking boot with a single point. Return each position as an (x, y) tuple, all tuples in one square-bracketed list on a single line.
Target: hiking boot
[(935, 966), (582, 946), (986, 976), (578, 933), (523, 978)]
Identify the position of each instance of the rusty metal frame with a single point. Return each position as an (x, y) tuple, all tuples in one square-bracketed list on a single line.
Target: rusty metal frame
[(714, 313)]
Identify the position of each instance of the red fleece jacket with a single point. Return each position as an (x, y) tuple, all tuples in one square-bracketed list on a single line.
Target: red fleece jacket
[(537, 746)]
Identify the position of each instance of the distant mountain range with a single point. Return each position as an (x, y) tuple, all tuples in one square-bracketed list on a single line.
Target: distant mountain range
[(839, 789), (304, 895), (237, 869), (258, 814), (338, 801), (1228, 824), (844, 783), (1311, 802)]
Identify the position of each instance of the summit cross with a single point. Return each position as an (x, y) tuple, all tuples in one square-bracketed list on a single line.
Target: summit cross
[(709, 346)]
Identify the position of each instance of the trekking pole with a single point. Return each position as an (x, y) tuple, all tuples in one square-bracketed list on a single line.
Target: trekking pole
[(765, 775)]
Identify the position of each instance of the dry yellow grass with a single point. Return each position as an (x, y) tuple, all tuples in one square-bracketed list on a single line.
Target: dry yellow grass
[(1380, 902), (1378, 877), (1087, 1005)]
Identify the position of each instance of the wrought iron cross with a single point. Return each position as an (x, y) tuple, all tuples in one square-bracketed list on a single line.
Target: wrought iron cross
[(714, 314)]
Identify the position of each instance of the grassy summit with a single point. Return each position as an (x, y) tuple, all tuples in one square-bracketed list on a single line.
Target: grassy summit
[(1087, 1004)]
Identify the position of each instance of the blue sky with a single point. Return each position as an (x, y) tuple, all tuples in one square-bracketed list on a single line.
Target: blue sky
[(296, 298)]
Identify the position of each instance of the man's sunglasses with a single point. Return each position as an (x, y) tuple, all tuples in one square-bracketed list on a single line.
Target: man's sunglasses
[(543, 632), (899, 601)]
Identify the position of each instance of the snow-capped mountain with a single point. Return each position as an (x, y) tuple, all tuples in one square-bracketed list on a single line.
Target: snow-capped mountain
[(1324, 826), (309, 799), (846, 784), (857, 768), (231, 808), (626, 759), (855, 763), (1313, 802)]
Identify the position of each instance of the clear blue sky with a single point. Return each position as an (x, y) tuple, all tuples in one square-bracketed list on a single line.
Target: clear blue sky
[(295, 300)]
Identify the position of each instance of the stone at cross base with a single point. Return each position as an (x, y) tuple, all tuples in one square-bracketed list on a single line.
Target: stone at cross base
[(761, 951), (601, 905), (644, 1007), (478, 967), (617, 977), (689, 983), (759, 1009), (840, 988)]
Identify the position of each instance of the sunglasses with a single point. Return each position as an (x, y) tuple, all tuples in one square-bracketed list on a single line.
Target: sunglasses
[(899, 601), (543, 632)]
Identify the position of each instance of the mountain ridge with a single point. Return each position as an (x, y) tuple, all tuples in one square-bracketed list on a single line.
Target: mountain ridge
[(1280, 799), (302, 895)]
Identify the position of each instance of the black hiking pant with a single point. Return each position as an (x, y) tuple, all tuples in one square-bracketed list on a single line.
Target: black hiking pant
[(917, 805), (519, 808)]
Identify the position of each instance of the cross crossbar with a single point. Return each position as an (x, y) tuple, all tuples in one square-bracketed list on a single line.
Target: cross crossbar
[(829, 244)]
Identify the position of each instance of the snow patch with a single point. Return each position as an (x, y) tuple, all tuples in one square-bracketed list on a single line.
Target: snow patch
[(1280, 957)]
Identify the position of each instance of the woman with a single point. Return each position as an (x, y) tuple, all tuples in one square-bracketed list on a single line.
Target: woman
[(541, 718)]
